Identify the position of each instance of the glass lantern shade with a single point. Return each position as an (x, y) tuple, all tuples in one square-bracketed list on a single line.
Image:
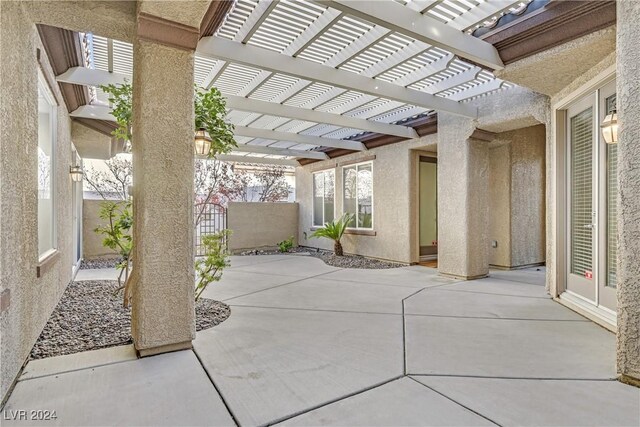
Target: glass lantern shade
[(202, 142), (609, 128), (76, 173)]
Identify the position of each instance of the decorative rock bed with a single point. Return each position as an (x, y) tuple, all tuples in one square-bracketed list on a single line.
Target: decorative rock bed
[(99, 263), (346, 261), (90, 316)]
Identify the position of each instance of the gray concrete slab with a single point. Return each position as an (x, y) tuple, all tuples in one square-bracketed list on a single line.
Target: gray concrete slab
[(245, 260), (235, 282), (77, 361), (403, 276), (499, 287), (544, 403), (437, 302), (533, 275), (402, 402), (97, 274), (509, 348), (269, 364), (296, 266), (315, 294), (170, 389)]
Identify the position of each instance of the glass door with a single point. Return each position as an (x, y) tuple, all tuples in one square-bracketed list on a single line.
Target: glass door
[(581, 137), (607, 202), (592, 191)]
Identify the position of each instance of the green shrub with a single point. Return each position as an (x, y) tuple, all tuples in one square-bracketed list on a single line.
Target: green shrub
[(286, 245), (117, 235), (209, 269), (334, 230)]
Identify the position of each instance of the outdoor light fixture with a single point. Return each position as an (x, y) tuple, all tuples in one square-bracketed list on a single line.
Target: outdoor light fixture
[(202, 142), (609, 128), (76, 173)]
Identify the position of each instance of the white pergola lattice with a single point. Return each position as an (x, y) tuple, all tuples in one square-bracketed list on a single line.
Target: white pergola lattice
[(300, 75)]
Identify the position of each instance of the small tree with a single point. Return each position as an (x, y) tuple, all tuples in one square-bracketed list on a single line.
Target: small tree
[(209, 269), (117, 237), (274, 186), (210, 113), (334, 230)]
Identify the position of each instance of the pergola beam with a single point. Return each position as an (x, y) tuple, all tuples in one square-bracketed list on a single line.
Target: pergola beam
[(406, 21), (263, 149), (259, 160), (90, 77), (253, 56), (93, 112), (305, 114), (297, 138)]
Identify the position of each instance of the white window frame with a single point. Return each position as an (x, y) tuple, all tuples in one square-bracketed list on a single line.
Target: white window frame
[(357, 166), (46, 90), (313, 197)]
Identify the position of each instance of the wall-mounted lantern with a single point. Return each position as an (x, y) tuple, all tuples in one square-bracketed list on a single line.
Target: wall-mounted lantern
[(609, 128), (76, 173), (202, 142)]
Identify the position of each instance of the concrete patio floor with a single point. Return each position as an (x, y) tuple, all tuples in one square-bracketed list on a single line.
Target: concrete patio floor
[(310, 344)]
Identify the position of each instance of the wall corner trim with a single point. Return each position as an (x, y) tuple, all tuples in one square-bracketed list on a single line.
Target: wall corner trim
[(166, 32)]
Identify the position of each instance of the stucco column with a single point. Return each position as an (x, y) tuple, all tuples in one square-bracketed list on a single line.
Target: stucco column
[(463, 199), (163, 317), (628, 105)]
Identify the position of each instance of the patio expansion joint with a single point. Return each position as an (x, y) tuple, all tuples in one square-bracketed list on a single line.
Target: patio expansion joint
[(488, 377), (69, 371), (215, 387), (511, 280), (496, 318), (495, 294), (316, 310), (332, 401), (456, 402), (297, 280)]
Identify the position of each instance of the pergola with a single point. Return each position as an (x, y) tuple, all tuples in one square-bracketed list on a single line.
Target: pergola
[(306, 79)]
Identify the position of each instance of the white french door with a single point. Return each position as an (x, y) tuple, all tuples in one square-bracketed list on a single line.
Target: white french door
[(591, 201)]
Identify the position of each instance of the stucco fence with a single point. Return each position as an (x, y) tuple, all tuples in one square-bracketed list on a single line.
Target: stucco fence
[(258, 225), (253, 225)]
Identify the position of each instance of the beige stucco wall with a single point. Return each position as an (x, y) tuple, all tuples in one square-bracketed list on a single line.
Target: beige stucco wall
[(32, 299), (500, 204), (395, 201), (517, 198), (261, 225), (91, 241)]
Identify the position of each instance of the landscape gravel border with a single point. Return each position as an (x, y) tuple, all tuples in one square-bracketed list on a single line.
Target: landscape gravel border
[(90, 316)]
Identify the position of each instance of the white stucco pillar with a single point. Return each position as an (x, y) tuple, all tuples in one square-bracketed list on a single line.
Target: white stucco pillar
[(163, 317), (463, 199), (628, 105)]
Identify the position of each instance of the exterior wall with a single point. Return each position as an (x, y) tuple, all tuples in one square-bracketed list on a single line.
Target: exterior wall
[(31, 299), (92, 241), (500, 204), (555, 177), (261, 225), (395, 201), (517, 198)]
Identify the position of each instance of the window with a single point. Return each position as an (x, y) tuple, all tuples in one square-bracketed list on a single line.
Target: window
[(323, 197), (46, 168), (358, 194)]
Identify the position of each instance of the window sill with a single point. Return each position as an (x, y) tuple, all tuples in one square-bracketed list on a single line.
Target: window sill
[(354, 231), (360, 232), (47, 262)]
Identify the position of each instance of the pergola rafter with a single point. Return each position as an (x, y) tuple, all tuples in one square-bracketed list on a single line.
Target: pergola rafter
[(404, 20), (227, 50)]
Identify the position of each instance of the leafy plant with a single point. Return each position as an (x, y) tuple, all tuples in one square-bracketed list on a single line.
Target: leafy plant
[(120, 97), (117, 236), (209, 269), (285, 245), (210, 113), (334, 230)]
